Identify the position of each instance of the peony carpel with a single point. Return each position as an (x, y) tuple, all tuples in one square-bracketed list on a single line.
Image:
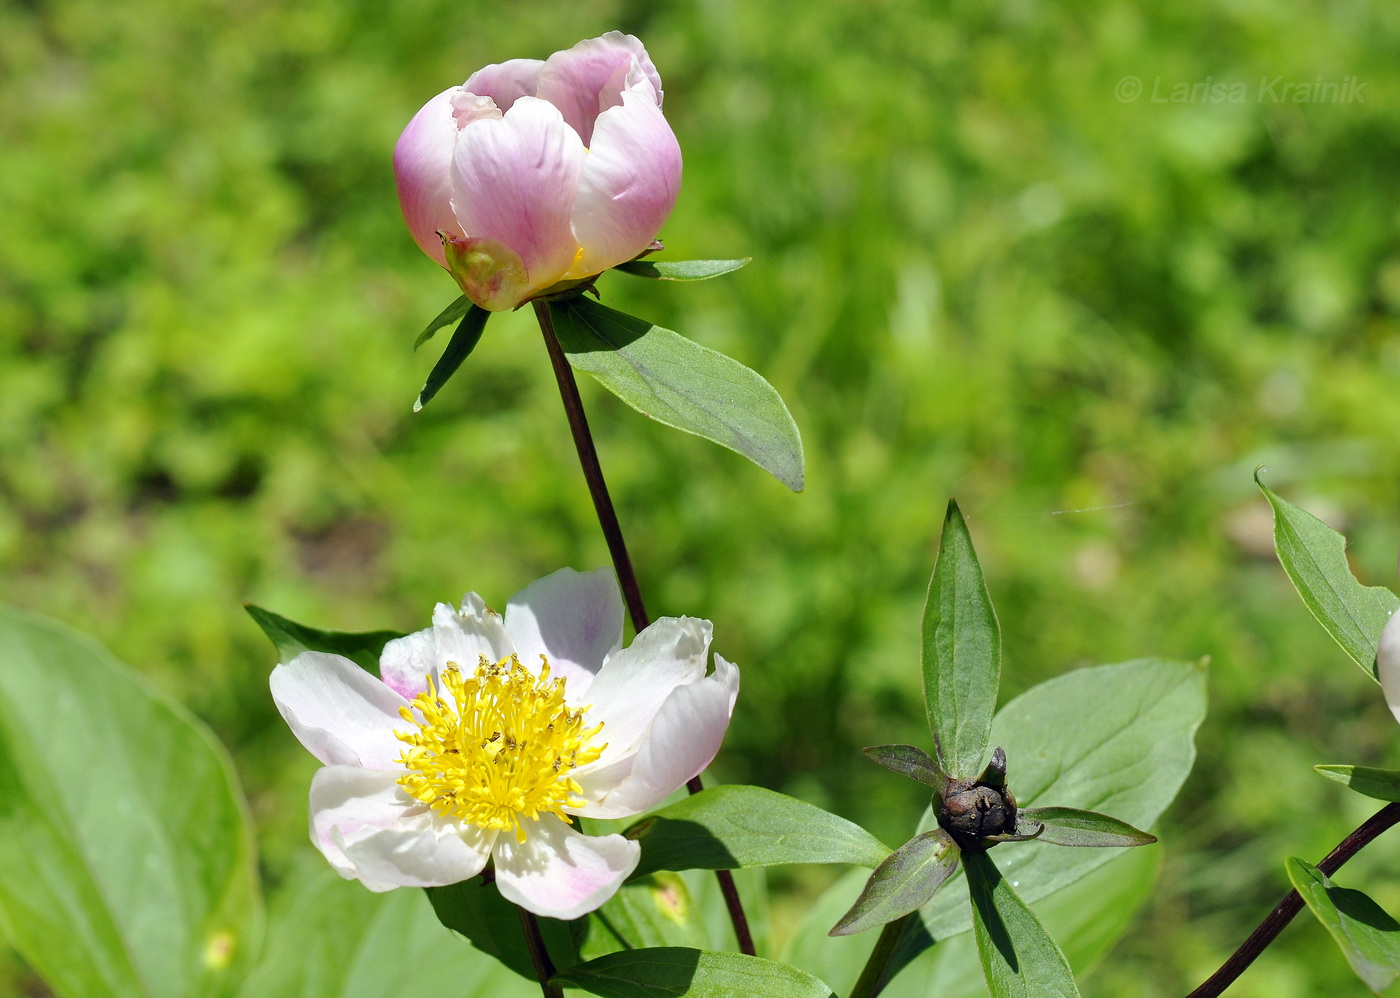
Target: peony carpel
[(483, 736), (534, 173)]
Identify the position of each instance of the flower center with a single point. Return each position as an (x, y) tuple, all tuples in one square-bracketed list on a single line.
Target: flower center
[(496, 747)]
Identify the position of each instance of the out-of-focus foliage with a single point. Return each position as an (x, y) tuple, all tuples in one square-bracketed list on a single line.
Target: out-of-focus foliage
[(976, 271)]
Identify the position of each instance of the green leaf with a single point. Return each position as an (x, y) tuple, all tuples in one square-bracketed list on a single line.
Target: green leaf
[(681, 270), (663, 375), (128, 866), (656, 910), (464, 340), (905, 881), (334, 939), (962, 653), (1019, 960), (476, 910), (1314, 556), (1127, 753), (910, 761), (447, 316), (1085, 918), (732, 826), (1069, 826), (673, 971), (1382, 784), (1368, 937), (291, 639)]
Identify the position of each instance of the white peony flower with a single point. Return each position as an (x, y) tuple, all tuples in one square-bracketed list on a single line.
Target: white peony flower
[(485, 735)]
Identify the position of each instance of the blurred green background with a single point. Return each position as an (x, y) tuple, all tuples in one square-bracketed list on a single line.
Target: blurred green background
[(978, 270)]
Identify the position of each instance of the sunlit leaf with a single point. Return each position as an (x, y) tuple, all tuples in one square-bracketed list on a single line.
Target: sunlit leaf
[(446, 317), (670, 971), (1381, 784), (1068, 826), (1368, 937), (682, 384), (732, 826), (477, 911), (1019, 959), (464, 340), (681, 270), (1314, 556), (962, 653), (291, 639), (127, 868)]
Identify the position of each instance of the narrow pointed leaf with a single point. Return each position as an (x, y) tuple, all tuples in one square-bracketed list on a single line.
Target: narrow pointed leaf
[(962, 653), (1019, 959), (910, 761), (1069, 826), (670, 971), (1367, 935), (463, 342), (1381, 784), (733, 826), (446, 317), (682, 384), (291, 639), (681, 270), (1314, 556), (906, 880), (127, 868)]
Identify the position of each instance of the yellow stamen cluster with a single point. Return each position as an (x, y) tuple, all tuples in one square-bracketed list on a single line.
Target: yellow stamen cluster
[(496, 747)]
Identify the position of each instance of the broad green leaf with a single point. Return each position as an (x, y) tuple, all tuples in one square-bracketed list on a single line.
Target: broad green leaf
[(446, 317), (1085, 918), (334, 939), (1019, 959), (962, 653), (476, 910), (464, 340), (1382, 784), (672, 971), (663, 375), (1314, 556), (1368, 937), (1069, 826), (732, 826), (906, 880), (656, 910), (910, 761), (681, 270), (1118, 739), (127, 868), (291, 639)]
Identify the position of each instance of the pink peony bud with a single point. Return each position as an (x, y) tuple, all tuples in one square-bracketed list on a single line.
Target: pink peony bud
[(532, 173)]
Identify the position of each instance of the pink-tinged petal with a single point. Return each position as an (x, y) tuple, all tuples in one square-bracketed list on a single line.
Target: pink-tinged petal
[(682, 740), (514, 181), (575, 618), (506, 82), (490, 273), (560, 873), (1388, 663), (423, 174), (405, 663), (349, 803), (630, 180), (465, 637), (633, 683), (589, 78), (342, 714)]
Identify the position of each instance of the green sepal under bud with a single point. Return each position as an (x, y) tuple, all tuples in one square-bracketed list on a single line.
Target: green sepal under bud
[(910, 761)]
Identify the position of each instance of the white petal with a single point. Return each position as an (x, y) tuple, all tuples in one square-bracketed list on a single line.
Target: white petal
[(1388, 663), (423, 173), (506, 82), (349, 803), (633, 683), (575, 618), (514, 181), (630, 180), (589, 77), (559, 872), (342, 714), (405, 663), (681, 742), (464, 637)]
